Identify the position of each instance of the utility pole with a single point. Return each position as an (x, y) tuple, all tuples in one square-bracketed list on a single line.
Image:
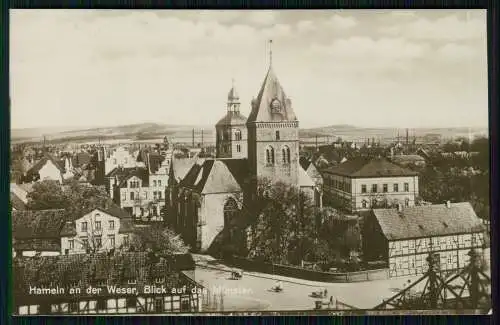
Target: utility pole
[(316, 143), (192, 138), (202, 138), (407, 139)]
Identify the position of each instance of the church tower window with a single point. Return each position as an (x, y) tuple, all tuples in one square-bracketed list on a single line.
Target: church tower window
[(237, 135), (270, 156), (286, 155)]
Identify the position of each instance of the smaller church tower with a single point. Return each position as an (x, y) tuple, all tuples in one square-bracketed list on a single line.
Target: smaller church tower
[(231, 131)]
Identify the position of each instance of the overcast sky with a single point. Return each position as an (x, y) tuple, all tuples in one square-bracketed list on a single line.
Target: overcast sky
[(364, 68)]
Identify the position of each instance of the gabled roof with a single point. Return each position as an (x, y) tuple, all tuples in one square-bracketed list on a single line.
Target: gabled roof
[(126, 224), (261, 107), (115, 211), (29, 224), (124, 174), (304, 179), (16, 202), (428, 220), (216, 176), (360, 167), (232, 118), (180, 167), (46, 157)]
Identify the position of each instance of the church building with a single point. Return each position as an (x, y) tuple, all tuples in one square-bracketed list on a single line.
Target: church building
[(202, 205)]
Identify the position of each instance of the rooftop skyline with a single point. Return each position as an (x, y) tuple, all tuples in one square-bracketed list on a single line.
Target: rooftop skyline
[(86, 68)]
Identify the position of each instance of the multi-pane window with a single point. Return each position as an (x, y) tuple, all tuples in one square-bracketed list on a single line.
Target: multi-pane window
[(238, 148), (71, 243), (277, 135), (132, 195), (98, 241), (159, 183), (374, 188), (363, 188), (125, 240), (384, 188), (85, 242), (154, 183), (270, 156), (111, 224), (407, 187), (395, 188), (286, 155), (111, 240), (84, 226), (97, 225)]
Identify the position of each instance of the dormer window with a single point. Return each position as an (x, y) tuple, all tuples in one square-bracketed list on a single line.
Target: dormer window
[(276, 106)]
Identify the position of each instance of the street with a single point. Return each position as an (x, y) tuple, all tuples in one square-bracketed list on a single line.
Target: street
[(252, 291)]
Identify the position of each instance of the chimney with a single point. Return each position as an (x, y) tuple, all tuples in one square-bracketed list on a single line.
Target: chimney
[(448, 204)]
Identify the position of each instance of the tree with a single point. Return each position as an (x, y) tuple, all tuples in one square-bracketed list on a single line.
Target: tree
[(83, 199), (77, 199), (341, 232), (283, 222), (160, 240), (47, 195)]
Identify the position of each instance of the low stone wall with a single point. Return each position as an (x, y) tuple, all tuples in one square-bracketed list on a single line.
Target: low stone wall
[(301, 273)]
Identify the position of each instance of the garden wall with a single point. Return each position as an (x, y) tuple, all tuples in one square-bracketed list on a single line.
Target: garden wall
[(301, 273)]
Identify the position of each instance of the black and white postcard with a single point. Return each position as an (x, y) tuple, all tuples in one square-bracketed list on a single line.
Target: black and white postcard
[(249, 162)]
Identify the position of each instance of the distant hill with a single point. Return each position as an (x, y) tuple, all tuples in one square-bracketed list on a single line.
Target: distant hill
[(349, 132), (183, 133)]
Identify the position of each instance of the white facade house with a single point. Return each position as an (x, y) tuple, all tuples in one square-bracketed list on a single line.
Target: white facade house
[(47, 168), (99, 230), (121, 157), (363, 183), (141, 190)]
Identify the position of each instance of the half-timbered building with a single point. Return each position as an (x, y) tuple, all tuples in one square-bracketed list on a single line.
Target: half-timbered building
[(405, 236), (86, 284)]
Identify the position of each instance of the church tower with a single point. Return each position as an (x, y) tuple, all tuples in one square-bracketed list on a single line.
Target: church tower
[(273, 133), (231, 131)]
